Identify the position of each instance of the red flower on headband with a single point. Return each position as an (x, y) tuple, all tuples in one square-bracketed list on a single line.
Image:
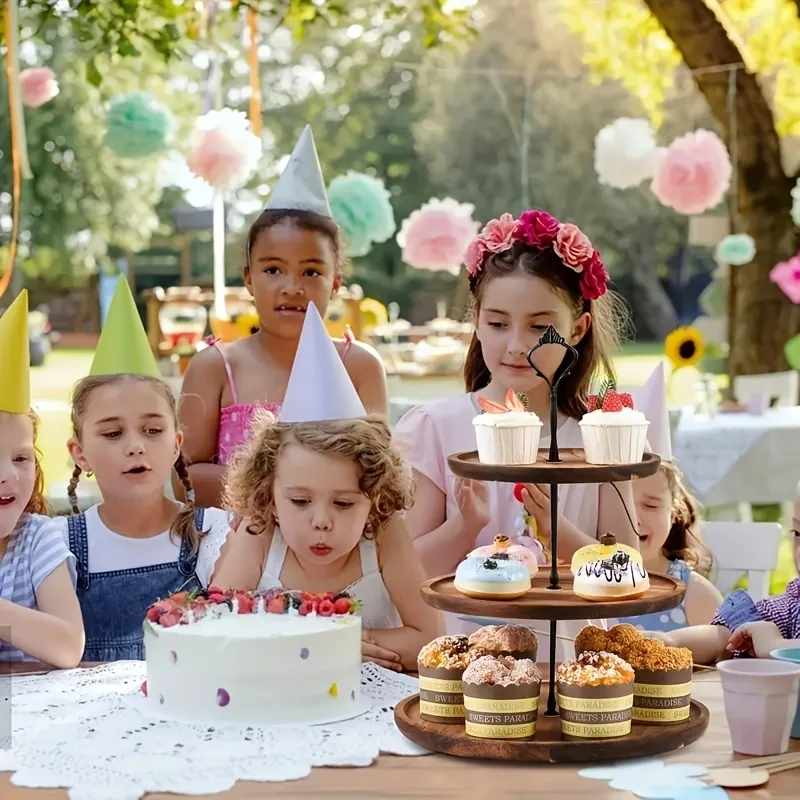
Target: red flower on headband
[(594, 278), (537, 228)]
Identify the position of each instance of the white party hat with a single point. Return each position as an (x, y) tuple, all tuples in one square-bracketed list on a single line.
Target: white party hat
[(301, 186), (651, 400), (319, 386)]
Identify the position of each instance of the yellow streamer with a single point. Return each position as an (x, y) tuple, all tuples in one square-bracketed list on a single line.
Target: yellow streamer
[(255, 79)]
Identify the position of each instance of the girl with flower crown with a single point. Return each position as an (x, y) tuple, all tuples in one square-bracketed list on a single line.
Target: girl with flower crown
[(525, 275)]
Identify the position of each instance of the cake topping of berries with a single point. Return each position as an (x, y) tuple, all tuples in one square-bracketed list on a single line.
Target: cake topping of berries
[(609, 399), (513, 402), (184, 608)]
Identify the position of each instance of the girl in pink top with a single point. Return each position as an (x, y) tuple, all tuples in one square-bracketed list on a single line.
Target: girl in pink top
[(294, 257), (524, 275)]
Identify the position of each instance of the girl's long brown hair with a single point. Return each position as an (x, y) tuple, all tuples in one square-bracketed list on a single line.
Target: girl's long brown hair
[(184, 525), (596, 348), (38, 503)]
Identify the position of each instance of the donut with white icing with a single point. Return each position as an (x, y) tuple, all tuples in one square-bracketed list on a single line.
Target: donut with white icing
[(502, 544), (495, 577), (615, 578)]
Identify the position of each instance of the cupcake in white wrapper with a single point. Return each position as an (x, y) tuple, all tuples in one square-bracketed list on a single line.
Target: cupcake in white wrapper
[(613, 431), (507, 434)]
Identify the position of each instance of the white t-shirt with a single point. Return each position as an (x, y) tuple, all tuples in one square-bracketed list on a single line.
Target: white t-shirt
[(110, 551)]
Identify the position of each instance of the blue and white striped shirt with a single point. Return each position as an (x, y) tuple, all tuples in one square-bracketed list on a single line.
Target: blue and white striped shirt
[(35, 549)]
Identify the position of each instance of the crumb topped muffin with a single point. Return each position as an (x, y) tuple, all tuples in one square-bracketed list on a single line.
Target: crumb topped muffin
[(595, 669), (502, 671), (441, 664), (505, 640), (448, 652)]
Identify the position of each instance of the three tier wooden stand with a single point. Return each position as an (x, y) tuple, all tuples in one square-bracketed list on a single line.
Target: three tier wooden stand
[(552, 599)]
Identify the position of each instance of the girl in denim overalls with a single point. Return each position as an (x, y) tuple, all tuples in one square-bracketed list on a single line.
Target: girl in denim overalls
[(138, 545)]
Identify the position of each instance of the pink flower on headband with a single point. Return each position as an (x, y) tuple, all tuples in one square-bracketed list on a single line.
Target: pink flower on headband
[(496, 236), (594, 278), (537, 228), (572, 246), (474, 257)]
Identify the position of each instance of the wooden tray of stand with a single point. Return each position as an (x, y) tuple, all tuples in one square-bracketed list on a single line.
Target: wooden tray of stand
[(548, 746), (540, 602), (571, 469)]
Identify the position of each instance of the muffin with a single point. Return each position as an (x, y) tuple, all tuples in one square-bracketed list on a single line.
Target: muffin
[(501, 697), (663, 675), (506, 433), (595, 696), (612, 431), (440, 664), (516, 641)]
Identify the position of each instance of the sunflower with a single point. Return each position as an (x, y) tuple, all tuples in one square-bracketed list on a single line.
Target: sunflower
[(684, 347)]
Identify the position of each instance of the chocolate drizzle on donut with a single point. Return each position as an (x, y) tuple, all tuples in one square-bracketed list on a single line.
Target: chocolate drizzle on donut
[(615, 568)]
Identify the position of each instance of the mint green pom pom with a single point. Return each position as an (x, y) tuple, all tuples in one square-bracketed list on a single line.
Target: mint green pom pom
[(360, 206), (736, 249), (137, 125)]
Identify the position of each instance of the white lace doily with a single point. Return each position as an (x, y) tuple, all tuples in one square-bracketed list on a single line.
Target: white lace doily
[(91, 731)]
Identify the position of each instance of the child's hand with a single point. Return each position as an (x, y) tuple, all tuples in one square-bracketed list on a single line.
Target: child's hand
[(472, 498), (379, 655), (756, 639), (536, 500)]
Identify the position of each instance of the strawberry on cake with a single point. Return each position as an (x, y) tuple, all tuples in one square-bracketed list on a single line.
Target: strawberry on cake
[(613, 431), (506, 433), (277, 656)]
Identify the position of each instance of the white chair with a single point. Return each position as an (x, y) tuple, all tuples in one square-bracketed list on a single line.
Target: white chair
[(783, 385), (743, 548)]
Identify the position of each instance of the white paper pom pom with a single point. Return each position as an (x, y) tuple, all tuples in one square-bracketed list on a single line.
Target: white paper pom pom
[(625, 153)]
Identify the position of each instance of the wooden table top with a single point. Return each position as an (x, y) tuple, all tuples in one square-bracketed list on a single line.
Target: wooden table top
[(447, 777)]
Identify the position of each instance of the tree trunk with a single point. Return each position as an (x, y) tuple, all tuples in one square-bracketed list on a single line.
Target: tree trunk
[(765, 318)]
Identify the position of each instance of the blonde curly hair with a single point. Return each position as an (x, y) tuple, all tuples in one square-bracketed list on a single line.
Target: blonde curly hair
[(383, 477)]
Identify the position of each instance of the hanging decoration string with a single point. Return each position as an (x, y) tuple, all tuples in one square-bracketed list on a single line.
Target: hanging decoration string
[(255, 79), (19, 159)]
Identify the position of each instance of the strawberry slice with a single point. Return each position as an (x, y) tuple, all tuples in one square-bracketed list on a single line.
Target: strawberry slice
[(513, 402), (490, 407)]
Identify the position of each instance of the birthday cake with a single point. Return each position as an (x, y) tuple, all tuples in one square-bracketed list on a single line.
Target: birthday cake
[(272, 657)]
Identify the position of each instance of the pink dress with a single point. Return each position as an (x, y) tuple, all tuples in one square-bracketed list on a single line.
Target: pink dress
[(428, 433), (236, 419)]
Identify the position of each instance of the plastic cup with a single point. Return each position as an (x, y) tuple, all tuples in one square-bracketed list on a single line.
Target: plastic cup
[(792, 655), (760, 698), (758, 402)]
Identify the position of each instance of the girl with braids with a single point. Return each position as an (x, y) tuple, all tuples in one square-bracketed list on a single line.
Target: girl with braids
[(137, 545), (671, 544)]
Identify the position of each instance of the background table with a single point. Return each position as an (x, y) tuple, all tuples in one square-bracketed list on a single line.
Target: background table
[(448, 777), (740, 458)]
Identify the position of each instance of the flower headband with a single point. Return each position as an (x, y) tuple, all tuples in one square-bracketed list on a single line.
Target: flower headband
[(540, 230)]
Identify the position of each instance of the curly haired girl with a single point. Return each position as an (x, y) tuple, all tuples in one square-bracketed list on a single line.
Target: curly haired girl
[(321, 502)]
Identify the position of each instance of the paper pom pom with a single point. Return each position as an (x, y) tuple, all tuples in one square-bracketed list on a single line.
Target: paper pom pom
[(37, 86), (796, 204), (693, 173), (437, 235), (225, 151), (792, 352), (360, 206), (737, 249), (137, 125), (625, 153), (714, 298), (787, 276)]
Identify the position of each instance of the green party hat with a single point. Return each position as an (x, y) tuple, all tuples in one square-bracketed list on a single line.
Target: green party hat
[(123, 347), (15, 384)]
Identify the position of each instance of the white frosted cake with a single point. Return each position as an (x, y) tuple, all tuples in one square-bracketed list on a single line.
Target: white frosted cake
[(257, 658), (613, 431), (617, 578), (507, 434)]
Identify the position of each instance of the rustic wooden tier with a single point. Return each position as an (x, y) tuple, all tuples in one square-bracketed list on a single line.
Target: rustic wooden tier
[(544, 603), (571, 469), (548, 745)]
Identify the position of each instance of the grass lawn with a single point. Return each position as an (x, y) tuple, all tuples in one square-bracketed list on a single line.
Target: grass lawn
[(51, 386)]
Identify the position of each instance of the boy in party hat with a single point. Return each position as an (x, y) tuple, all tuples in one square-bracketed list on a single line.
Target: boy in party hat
[(323, 488), (294, 258), (137, 545), (669, 522), (40, 619)]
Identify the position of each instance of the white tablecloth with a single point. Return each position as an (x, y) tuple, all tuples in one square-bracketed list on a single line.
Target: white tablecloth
[(740, 458)]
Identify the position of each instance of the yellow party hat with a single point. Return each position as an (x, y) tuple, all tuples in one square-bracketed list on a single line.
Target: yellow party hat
[(15, 360), (123, 347)]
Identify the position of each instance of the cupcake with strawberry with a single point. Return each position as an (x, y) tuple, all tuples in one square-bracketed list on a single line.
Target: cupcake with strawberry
[(507, 433), (613, 431)]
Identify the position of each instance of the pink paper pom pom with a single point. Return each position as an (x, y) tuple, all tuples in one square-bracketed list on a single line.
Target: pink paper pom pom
[(225, 151), (437, 235), (693, 173), (38, 86), (787, 275)]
